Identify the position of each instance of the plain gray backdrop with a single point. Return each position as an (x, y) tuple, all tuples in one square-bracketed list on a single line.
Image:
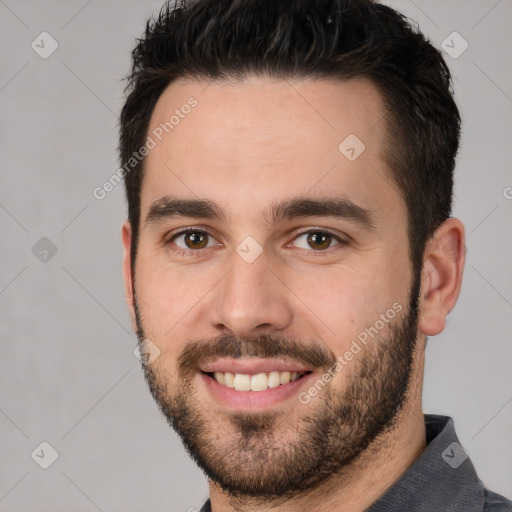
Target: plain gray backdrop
[(68, 375)]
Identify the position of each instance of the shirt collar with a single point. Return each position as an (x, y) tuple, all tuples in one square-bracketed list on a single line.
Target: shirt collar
[(441, 478)]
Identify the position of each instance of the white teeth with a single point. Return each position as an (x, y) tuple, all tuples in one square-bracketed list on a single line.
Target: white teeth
[(274, 379), (257, 382), (229, 379), (242, 382)]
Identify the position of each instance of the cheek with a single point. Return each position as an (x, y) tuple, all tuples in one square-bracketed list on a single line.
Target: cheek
[(161, 310), (164, 295), (340, 304)]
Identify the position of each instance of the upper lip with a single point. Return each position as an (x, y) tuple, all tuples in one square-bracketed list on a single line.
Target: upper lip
[(253, 366)]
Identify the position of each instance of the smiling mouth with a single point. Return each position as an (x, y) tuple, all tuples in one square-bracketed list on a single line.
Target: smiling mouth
[(257, 382)]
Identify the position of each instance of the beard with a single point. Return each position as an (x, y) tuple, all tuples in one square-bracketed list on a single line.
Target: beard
[(273, 456)]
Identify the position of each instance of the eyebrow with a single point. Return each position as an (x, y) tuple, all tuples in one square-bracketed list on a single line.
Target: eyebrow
[(169, 207)]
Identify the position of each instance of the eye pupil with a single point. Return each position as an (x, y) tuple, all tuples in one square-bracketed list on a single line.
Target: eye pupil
[(313, 237), (196, 239)]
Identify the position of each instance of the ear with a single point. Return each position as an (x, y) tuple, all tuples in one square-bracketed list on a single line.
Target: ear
[(126, 234), (441, 280)]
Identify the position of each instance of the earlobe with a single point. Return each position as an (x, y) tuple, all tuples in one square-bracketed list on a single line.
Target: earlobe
[(126, 235), (441, 280)]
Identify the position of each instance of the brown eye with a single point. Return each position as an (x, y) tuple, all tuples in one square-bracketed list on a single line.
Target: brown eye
[(196, 240), (321, 240), (317, 240), (190, 241)]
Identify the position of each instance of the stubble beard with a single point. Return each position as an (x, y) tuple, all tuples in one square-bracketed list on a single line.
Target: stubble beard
[(274, 458)]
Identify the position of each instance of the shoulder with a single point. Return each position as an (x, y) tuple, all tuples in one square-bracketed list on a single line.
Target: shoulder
[(496, 502)]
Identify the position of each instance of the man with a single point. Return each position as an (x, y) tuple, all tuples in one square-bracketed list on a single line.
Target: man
[(289, 248)]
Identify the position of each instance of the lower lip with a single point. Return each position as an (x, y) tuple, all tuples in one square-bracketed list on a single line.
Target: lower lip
[(251, 400)]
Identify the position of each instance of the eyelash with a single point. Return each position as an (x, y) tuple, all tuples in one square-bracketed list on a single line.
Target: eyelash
[(196, 252)]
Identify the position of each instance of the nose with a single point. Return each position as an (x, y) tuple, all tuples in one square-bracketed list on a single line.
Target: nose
[(251, 300)]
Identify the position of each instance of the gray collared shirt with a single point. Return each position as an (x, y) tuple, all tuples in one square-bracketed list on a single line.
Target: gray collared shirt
[(442, 479)]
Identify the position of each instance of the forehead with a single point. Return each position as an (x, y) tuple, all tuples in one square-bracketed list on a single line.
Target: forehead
[(241, 142)]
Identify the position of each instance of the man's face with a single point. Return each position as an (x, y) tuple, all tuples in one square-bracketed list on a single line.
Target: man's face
[(252, 292)]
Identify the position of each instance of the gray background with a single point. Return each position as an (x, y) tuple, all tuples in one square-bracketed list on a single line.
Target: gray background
[(68, 375)]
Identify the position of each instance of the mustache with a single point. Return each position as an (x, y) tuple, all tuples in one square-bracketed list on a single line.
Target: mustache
[(205, 350)]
